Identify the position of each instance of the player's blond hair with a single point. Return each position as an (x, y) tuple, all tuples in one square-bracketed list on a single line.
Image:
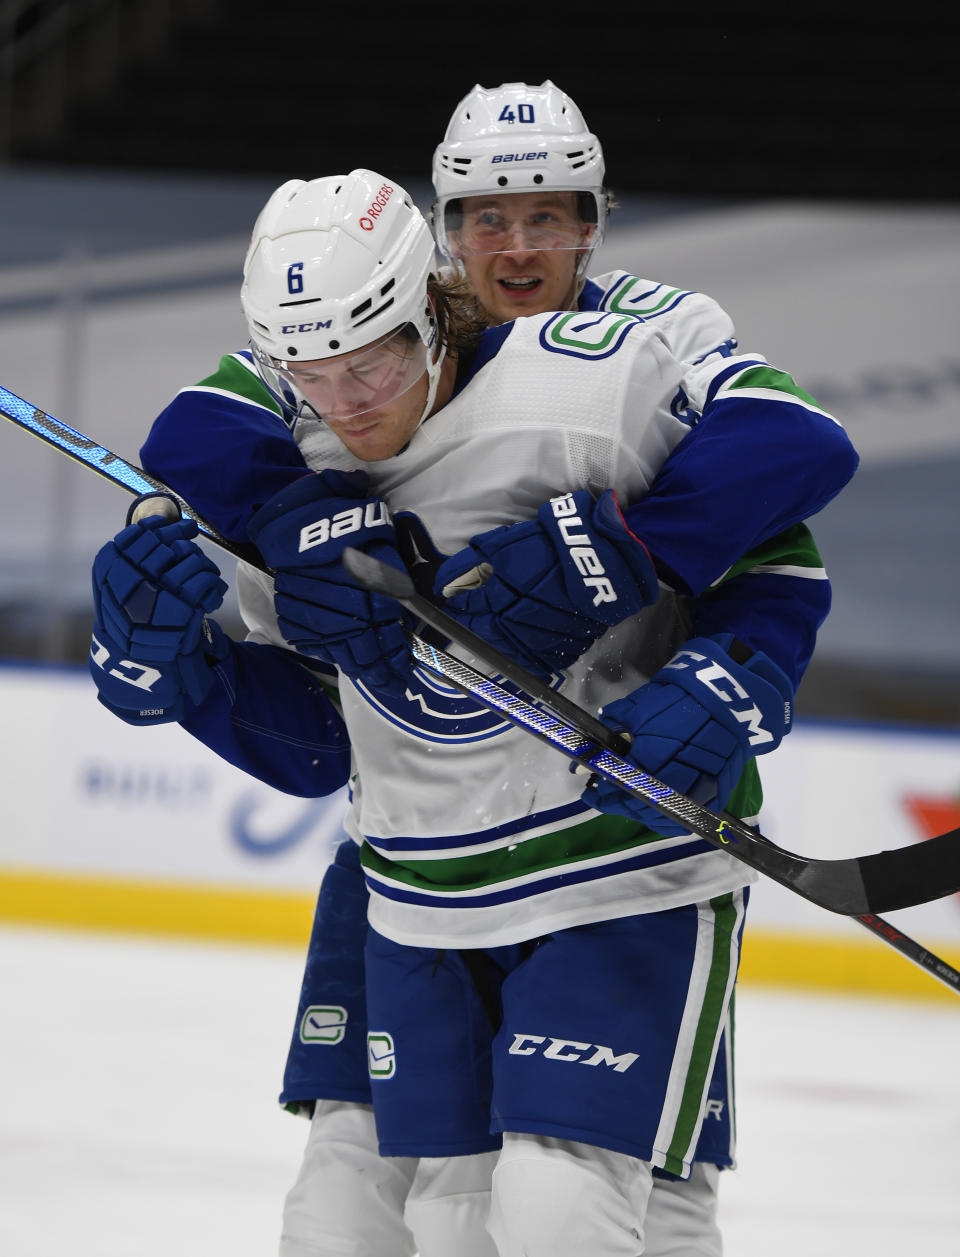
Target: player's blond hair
[(461, 320)]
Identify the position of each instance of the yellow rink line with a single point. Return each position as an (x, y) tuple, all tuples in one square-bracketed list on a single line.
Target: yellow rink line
[(180, 909), (237, 914), (821, 963)]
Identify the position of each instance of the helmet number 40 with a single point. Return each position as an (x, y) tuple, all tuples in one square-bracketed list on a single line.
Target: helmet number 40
[(524, 113)]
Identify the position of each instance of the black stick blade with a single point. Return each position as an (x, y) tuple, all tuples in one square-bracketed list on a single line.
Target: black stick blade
[(912, 875)]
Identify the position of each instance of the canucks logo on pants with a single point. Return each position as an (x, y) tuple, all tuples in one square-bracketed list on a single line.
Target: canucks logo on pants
[(381, 1055), (323, 1024)]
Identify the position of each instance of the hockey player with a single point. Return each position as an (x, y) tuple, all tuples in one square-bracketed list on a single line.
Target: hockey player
[(561, 198), (554, 199), (374, 387), (327, 1075), (520, 198)]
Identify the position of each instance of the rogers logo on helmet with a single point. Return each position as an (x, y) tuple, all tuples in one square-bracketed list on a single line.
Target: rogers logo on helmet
[(375, 208)]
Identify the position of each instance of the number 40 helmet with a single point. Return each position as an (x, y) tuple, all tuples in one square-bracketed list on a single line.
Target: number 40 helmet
[(517, 138), (334, 266)]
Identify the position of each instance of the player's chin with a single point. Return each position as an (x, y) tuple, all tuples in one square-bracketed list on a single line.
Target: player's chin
[(370, 441)]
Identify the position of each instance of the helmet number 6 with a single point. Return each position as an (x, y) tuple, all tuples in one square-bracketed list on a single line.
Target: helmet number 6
[(295, 277)]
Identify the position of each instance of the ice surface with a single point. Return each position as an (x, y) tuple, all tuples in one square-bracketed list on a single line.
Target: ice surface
[(138, 1112)]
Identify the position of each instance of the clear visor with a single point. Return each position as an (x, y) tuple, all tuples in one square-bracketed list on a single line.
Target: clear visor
[(479, 228), (339, 388)]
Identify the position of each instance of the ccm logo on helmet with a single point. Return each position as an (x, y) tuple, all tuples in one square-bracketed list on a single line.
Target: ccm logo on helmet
[(585, 558), (291, 329), (504, 157), (719, 681), (372, 515), (375, 208)]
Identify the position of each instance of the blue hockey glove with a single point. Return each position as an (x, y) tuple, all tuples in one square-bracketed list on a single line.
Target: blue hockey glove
[(153, 648), (544, 590), (322, 611), (696, 724)]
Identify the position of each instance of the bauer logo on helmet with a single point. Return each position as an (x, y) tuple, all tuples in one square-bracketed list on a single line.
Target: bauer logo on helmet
[(505, 157)]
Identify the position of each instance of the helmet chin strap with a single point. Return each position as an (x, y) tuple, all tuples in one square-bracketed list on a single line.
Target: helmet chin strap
[(433, 374), (434, 365)]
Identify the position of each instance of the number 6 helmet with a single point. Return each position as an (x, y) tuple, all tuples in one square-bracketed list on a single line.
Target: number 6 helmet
[(336, 265), (517, 138)]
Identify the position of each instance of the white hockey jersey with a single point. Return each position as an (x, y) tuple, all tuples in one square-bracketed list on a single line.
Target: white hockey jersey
[(474, 833)]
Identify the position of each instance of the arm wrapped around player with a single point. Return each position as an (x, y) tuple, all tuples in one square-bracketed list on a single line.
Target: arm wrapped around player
[(697, 723), (154, 649), (544, 590), (321, 610)]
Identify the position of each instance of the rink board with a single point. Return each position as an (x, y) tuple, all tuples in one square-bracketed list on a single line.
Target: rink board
[(145, 830)]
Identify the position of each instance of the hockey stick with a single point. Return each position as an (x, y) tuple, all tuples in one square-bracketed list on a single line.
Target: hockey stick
[(860, 887), (107, 464)]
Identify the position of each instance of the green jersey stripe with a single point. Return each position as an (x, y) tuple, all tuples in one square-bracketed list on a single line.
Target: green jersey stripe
[(237, 378), (794, 547), (766, 380), (726, 910), (526, 860)]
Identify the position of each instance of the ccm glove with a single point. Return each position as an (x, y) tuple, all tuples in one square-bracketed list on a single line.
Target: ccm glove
[(153, 648), (696, 724), (544, 590), (322, 611)]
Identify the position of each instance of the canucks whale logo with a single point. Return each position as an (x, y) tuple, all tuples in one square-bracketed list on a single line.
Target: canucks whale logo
[(433, 709)]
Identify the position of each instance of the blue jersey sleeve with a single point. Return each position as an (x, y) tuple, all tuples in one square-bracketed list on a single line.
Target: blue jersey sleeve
[(224, 447), (270, 717), (761, 457), (774, 600)]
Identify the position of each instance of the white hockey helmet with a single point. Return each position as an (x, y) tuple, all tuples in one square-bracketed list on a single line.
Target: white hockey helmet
[(335, 266), (517, 138)]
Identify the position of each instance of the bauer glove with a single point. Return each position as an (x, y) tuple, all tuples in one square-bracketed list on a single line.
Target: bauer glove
[(322, 611), (544, 590), (696, 724), (153, 648)]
